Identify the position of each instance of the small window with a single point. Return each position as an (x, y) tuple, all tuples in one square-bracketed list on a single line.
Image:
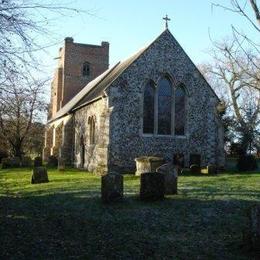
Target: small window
[(92, 129), (82, 152), (86, 69)]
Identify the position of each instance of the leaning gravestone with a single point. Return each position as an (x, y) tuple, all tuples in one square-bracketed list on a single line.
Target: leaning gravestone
[(152, 186), (169, 172), (255, 228), (147, 164), (112, 187), (39, 175)]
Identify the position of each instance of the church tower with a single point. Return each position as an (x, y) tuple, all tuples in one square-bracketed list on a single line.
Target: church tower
[(78, 64)]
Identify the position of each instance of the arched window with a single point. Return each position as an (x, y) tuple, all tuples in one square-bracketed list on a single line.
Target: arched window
[(86, 69), (180, 110), (82, 151), (164, 107), (92, 129), (148, 108)]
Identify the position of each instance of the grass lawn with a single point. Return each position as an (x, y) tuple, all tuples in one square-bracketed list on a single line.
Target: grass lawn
[(66, 219)]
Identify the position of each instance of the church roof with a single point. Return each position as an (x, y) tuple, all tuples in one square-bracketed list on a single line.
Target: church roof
[(94, 89)]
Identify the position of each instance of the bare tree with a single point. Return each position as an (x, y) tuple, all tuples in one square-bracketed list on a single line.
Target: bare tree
[(21, 23), (249, 10), (21, 103), (21, 93), (240, 7), (236, 78)]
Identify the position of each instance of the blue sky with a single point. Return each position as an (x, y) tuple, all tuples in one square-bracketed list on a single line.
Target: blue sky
[(129, 25)]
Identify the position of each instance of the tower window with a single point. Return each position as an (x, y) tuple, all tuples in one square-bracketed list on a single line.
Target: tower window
[(86, 69)]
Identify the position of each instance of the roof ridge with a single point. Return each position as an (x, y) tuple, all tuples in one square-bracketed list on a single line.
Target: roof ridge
[(92, 85)]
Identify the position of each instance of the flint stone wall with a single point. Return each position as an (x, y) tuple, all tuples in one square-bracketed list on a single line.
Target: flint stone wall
[(203, 129), (119, 116), (95, 154)]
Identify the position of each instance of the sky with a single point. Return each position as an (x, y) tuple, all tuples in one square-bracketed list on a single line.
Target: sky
[(129, 25)]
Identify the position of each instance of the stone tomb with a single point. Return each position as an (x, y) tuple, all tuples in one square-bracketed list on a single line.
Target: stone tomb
[(152, 186), (169, 172), (39, 175), (112, 188), (147, 164)]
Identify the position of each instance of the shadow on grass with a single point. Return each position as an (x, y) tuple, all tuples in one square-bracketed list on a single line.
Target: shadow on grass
[(77, 225)]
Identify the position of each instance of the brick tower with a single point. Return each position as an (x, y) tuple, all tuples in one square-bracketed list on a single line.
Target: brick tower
[(78, 64)]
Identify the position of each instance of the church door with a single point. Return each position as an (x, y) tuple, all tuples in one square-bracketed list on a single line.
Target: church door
[(82, 152)]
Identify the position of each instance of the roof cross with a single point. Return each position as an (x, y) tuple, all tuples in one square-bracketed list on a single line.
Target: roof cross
[(166, 18)]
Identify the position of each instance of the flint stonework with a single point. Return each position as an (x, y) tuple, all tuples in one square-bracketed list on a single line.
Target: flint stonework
[(117, 102), (112, 187)]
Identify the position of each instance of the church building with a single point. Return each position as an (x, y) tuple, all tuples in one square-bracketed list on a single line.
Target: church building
[(155, 102)]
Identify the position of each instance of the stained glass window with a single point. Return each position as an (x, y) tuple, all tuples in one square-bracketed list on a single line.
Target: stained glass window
[(164, 107), (148, 109)]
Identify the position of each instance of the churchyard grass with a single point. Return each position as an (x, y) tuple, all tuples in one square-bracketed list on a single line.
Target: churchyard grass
[(65, 218)]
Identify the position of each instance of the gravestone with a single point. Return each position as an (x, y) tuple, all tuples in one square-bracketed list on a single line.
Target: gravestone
[(112, 187), (26, 161), (255, 228), (195, 159), (61, 164), (52, 161), (152, 186), (37, 161), (170, 174), (211, 169), (13, 162), (147, 164), (194, 168), (39, 175)]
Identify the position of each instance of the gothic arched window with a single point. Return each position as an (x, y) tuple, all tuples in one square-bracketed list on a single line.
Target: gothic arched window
[(92, 129), (164, 107), (180, 110), (82, 152), (148, 108), (86, 69)]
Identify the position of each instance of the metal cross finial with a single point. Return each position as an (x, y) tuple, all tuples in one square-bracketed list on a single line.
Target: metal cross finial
[(166, 18)]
